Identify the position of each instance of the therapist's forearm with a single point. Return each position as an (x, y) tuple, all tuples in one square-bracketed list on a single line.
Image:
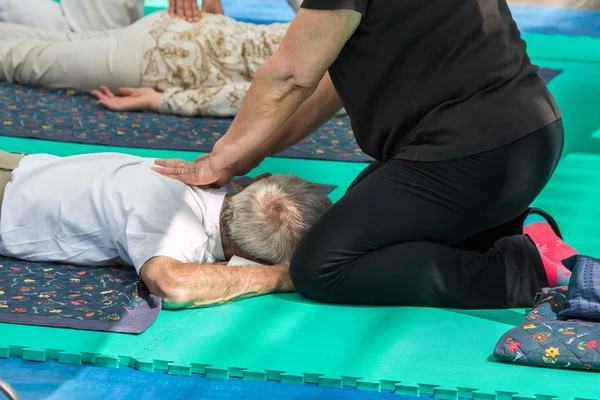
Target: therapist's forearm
[(272, 98), (313, 113)]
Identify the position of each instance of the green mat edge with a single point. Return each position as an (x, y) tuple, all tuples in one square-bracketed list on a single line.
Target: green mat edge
[(218, 372)]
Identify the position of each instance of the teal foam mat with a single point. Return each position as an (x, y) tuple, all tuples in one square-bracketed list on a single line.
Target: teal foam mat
[(573, 198), (284, 338)]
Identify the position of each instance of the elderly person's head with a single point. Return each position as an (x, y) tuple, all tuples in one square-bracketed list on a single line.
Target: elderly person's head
[(265, 221)]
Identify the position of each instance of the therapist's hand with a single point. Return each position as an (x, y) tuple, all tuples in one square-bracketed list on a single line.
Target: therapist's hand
[(200, 172), (185, 9), (188, 9)]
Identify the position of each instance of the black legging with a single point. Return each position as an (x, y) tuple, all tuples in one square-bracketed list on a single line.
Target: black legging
[(434, 234)]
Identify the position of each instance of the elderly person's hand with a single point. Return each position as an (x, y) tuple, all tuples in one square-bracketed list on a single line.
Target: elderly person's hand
[(200, 172), (129, 99)]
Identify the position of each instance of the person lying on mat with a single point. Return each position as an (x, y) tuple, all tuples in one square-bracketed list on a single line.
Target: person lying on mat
[(465, 134), (160, 63), (93, 15), (106, 208)]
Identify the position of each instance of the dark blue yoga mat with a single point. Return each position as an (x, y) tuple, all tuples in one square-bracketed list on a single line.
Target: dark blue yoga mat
[(110, 299), (69, 116), (548, 74)]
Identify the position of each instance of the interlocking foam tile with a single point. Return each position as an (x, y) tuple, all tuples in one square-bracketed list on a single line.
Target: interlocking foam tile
[(437, 352)]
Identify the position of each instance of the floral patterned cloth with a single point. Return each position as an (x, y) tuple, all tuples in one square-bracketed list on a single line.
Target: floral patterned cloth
[(93, 298), (544, 340)]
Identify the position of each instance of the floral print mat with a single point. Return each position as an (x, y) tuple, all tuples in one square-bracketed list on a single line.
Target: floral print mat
[(544, 340), (109, 299), (70, 116)]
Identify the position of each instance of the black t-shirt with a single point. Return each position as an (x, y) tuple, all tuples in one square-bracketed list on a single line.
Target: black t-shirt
[(433, 80)]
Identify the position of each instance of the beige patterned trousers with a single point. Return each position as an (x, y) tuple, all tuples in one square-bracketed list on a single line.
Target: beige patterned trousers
[(81, 61), (200, 86)]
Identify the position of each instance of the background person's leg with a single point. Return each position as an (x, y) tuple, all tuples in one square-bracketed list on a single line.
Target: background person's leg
[(392, 240), (114, 61), (16, 31), (42, 14)]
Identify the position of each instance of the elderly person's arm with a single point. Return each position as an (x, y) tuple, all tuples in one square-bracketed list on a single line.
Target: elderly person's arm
[(223, 101), (189, 285), (286, 80)]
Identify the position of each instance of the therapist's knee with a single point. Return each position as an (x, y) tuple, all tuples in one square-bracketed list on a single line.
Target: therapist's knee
[(315, 270)]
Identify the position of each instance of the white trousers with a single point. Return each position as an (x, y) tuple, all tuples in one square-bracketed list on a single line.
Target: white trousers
[(81, 61), (72, 15)]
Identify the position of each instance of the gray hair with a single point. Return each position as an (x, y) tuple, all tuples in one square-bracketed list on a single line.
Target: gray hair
[(267, 219)]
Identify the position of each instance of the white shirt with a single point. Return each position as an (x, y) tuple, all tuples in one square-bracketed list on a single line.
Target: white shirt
[(98, 209), (99, 15)]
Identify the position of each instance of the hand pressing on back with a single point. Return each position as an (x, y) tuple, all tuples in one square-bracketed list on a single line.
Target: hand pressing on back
[(188, 9), (198, 173), (128, 99)]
